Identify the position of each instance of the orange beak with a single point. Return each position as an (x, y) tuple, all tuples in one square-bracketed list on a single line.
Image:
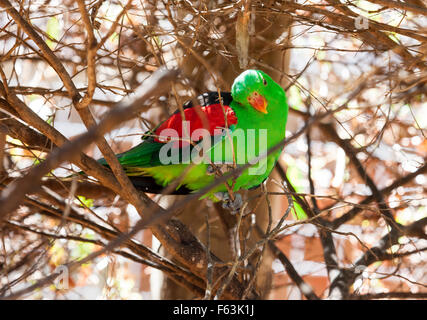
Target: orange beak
[(258, 102)]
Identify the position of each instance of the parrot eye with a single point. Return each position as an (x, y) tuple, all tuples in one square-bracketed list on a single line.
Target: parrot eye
[(264, 81)]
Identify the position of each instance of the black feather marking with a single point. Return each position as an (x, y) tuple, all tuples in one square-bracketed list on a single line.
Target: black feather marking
[(209, 98), (148, 184), (205, 99)]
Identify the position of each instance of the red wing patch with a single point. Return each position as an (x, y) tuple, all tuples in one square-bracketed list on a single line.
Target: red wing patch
[(209, 118)]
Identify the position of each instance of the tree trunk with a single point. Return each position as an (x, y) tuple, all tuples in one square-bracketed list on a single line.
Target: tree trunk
[(222, 225)]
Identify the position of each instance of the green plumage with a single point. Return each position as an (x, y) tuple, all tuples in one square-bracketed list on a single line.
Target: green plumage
[(144, 159)]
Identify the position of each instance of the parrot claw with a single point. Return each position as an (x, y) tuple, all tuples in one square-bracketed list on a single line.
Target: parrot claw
[(219, 168), (210, 169), (232, 206)]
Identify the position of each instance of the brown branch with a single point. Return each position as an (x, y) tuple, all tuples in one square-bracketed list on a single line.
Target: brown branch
[(373, 36), (388, 295), (24, 90), (176, 273), (128, 190), (305, 288), (401, 5), (397, 183), (347, 277), (326, 238), (108, 234), (351, 153), (3, 133), (47, 53), (19, 131), (114, 25), (91, 49), (89, 165), (12, 196), (68, 152), (83, 188)]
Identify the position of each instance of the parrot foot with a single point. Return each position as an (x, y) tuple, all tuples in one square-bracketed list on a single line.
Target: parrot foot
[(219, 168), (210, 170), (233, 206)]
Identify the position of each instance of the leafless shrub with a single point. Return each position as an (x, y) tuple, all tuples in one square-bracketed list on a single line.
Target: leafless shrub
[(83, 79)]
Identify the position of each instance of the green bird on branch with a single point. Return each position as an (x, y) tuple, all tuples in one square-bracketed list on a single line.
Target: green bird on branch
[(186, 152)]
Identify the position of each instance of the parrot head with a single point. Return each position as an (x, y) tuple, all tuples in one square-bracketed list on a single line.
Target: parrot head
[(254, 88)]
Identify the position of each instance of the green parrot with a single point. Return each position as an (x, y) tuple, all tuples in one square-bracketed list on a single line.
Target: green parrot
[(223, 131)]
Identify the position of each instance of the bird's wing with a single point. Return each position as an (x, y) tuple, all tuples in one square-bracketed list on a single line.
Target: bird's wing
[(209, 113)]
